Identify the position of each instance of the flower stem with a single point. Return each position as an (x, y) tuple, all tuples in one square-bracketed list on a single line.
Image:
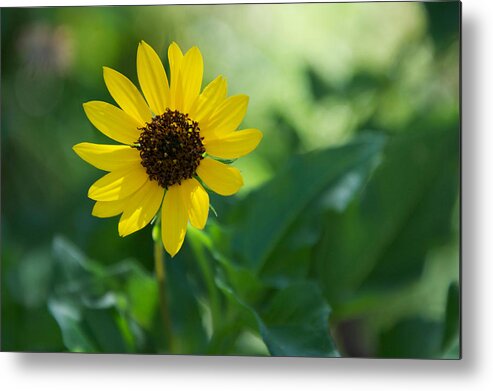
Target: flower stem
[(160, 268)]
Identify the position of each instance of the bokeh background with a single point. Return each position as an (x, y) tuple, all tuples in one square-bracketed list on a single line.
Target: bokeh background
[(343, 241)]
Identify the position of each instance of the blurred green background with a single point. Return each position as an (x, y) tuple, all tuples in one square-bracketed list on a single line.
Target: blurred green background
[(344, 240)]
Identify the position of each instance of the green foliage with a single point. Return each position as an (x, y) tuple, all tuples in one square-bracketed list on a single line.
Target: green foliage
[(329, 177), (101, 309), (442, 19), (189, 332), (294, 322), (451, 326), (411, 338), (425, 338), (381, 240)]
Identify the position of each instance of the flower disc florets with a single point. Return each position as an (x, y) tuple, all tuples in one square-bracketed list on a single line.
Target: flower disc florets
[(170, 148)]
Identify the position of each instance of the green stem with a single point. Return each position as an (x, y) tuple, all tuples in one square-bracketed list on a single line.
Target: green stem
[(160, 268)]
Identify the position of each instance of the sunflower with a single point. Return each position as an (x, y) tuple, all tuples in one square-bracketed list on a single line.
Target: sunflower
[(176, 142)]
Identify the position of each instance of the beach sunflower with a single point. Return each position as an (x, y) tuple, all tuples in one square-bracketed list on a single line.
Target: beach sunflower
[(175, 142)]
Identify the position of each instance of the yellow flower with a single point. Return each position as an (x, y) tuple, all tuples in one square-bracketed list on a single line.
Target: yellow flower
[(172, 140)]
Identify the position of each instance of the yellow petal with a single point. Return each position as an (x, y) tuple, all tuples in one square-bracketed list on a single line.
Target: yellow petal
[(113, 122), (234, 145), (220, 177), (175, 57), (140, 208), (209, 99), (226, 118), (118, 184), (152, 78), (108, 208), (126, 95), (108, 157), (174, 219), (192, 70), (198, 200)]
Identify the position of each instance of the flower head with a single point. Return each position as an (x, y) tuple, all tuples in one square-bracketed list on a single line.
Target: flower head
[(172, 139)]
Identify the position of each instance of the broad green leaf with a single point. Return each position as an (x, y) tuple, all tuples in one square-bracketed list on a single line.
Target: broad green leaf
[(142, 293), (291, 259), (93, 327), (189, 332), (452, 319), (265, 215), (297, 323), (105, 320), (294, 323), (68, 317), (412, 338), (429, 225), (27, 277), (96, 308), (383, 237), (71, 263), (244, 282)]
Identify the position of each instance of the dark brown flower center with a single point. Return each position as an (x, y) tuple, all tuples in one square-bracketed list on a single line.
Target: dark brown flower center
[(170, 148)]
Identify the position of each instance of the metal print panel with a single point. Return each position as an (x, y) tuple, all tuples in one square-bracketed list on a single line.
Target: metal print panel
[(265, 180)]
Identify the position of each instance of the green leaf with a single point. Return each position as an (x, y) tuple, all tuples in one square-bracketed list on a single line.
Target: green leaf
[(142, 292), (265, 215), (93, 327), (98, 309), (291, 259), (31, 277), (294, 323), (412, 338), (382, 239), (443, 22), (189, 333), (71, 264), (68, 318), (452, 319), (297, 323), (428, 223)]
